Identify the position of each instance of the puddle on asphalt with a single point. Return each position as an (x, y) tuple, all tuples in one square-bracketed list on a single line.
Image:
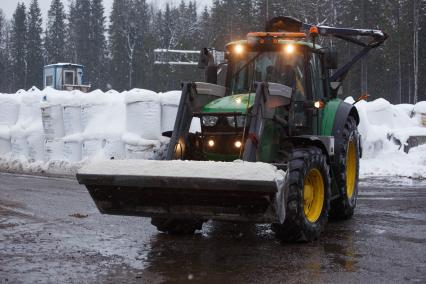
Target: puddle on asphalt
[(223, 248)]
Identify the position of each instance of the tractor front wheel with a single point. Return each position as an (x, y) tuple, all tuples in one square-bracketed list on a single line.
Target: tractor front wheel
[(308, 196)]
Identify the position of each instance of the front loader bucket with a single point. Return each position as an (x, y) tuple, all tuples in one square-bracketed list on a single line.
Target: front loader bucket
[(238, 191)]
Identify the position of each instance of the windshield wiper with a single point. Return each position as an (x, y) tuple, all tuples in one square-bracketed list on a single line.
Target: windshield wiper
[(248, 62)]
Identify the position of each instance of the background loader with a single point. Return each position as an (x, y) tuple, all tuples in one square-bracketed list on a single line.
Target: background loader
[(276, 143)]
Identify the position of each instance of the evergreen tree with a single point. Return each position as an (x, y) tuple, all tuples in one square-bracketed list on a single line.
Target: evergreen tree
[(206, 32), (142, 59), (56, 33), (18, 44), (81, 35), (97, 45), (121, 45), (35, 47), (71, 36), (4, 54), (422, 51)]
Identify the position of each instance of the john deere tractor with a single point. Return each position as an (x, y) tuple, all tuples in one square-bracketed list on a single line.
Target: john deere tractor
[(286, 147)]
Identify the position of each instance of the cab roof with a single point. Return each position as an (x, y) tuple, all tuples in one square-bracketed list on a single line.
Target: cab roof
[(280, 41)]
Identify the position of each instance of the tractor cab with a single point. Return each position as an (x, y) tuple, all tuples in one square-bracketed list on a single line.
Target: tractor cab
[(294, 71), (65, 76)]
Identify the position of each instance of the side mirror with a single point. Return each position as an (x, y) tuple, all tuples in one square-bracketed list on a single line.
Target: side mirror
[(205, 57), (330, 59)]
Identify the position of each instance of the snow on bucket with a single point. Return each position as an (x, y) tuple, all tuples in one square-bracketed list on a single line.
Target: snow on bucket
[(72, 151), (72, 119), (92, 147), (52, 119), (36, 147), (53, 150), (143, 114), (19, 147), (9, 110)]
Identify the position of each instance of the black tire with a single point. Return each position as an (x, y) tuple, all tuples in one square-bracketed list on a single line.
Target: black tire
[(177, 226), (296, 226), (343, 207)]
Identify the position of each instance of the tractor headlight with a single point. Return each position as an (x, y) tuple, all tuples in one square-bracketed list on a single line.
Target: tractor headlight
[(209, 120), (238, 120)]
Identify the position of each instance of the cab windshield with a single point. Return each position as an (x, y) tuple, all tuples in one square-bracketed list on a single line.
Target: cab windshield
[(274, 66)]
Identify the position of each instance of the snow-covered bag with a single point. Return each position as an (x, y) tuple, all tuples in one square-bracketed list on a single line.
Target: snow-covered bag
[(143, 114), (114, 150), (72, 151), (19, 147), (53, 150), (72, 120), (53, 124), (169, 107), (5, 145), (9, 109), (92, 148), (36, 147)]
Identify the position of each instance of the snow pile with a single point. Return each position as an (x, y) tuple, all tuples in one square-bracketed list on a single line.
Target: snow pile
[(40, 130), (394, 162), (385, 129), (380, 121)]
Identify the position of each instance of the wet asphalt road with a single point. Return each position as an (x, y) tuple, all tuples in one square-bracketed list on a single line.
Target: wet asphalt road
[(45, 237)]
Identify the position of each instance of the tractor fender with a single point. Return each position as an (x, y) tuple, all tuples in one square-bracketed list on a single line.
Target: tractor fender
[(344, 110), (325, 143)]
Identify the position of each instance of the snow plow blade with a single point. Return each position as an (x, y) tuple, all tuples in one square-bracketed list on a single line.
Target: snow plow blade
[(238, 191)]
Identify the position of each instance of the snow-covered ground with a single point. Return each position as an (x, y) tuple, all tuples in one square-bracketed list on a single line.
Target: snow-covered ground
[(56, 132)]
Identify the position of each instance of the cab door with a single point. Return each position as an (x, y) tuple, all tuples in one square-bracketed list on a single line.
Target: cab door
[(317, 90)]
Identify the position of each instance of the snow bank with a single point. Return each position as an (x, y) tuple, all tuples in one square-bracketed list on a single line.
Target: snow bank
[(380, 120), (394, 162), (48, 128), (382, 125)]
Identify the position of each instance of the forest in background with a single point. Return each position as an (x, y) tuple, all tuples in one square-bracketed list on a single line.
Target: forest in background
[(117, 49)]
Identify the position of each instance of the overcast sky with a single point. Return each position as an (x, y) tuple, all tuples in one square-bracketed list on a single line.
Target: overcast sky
[(9, 6)]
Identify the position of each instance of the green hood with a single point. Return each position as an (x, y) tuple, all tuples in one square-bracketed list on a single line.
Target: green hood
[(234, 103)]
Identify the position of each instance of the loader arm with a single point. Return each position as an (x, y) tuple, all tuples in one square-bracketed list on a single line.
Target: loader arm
[(373, 38), (368, 39), (194, 97), (183, 119)]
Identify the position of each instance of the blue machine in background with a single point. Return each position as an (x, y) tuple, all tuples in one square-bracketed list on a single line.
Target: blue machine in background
[(65, 76)]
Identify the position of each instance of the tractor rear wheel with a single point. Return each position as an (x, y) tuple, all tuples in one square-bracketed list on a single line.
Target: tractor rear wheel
[(177, 226), (347, 172), (308, 197)]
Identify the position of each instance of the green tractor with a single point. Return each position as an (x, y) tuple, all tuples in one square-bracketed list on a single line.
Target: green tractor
[(286, 147)]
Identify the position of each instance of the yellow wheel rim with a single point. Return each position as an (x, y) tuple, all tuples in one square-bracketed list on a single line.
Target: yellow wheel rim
[(313, 195), (351, 168)]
